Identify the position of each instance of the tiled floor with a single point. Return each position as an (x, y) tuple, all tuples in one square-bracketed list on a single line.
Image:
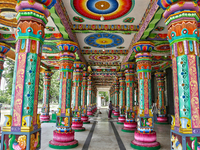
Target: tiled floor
[(103, 136)]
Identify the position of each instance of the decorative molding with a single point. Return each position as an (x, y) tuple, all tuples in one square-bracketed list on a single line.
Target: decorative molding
[(116, 52)]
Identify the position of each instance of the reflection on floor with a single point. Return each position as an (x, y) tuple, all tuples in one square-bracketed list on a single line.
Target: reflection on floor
[(104, 137)]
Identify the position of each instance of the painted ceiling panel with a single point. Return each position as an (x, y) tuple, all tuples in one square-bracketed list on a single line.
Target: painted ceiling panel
[(101, 40), (114, 11)]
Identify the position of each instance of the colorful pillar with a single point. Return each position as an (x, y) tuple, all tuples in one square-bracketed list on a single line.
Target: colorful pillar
[(22, 126), (122, 97), (113, 98), (89, 97), (161, 119), (145, 137), (130, 124), (76, 110), (183, 35), (136, 94), (116, 86), (46, 95), (84, 116), (63, 136)]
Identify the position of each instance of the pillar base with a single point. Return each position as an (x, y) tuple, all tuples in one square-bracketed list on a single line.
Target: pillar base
[(59, 145), (90, 114), (121, 120), (161, 120), (85, 119), (145, 141), (116, 114), (129, 127), (44, 118), (77, 126), (16, 139)]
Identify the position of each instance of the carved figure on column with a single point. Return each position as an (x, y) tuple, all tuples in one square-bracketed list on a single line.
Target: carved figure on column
[(122, 97), (183, 35), (161, 119), (46, 96), (76, 110), (63, 136), (145, 136), (130, 124), (23, 121)]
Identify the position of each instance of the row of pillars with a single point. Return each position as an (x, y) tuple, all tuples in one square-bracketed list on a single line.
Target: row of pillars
[(22, 128)]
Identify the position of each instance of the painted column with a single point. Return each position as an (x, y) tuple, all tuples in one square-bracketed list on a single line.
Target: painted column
[(22, 126), (122, 97), (136, 94), (161, 119), (76, 110), (130, 124), (46, 96), (4, 48), (84, 116), (113, 98), (145, 137), (63, 136), (89, 97), (183, 35), (116, 86)]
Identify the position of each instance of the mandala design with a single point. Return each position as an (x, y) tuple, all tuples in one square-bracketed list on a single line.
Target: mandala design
[(104, 58), (111, 9), (129, 20), (104, 40), (163, 47), (78, 19)]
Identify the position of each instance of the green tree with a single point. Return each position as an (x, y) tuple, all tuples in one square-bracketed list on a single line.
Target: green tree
[(104, 94)]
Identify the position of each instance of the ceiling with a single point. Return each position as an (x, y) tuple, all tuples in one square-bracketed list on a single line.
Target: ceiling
[(103, 29)]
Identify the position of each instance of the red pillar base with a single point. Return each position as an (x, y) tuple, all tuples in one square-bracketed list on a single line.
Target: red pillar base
[(63, 140), (121, 119), (129, 127), (44, 118), (116, 114), (77, 126), (90, 114), (144, 141), (85, 119), (161, 120)]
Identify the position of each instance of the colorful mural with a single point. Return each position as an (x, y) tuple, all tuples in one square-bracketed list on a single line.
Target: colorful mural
[(129, 20), (104, 40), (78, 19), (112, 9)]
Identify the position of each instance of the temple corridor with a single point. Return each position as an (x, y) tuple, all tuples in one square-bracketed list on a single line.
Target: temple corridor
[(103, 136)]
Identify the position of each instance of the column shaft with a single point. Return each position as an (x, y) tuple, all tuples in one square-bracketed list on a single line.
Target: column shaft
[(116, 88)]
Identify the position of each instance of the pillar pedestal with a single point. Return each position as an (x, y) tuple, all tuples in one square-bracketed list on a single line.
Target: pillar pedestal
[(130, 124), (77, 124), (63, 136), (145, 136)]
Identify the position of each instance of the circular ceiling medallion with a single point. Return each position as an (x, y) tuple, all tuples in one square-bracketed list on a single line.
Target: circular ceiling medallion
[(104, 58), (104, 40), (110, 9), (163, 47)]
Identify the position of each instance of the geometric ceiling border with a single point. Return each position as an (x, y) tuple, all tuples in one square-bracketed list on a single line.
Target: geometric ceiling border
[(116, 52)]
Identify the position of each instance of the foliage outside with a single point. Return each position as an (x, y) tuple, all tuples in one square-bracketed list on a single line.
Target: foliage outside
[(5, 95), (104, 94)]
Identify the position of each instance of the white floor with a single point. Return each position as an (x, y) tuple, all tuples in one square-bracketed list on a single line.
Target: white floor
[(103, 136)]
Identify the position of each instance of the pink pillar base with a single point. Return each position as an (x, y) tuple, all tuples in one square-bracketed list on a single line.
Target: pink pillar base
[(60, 145), (116, 113), (143, 140), (85, 119), (44, 118), (89, 113), (129, 126), (121, 119), (113, 111), (78, 126), (162, 119)]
